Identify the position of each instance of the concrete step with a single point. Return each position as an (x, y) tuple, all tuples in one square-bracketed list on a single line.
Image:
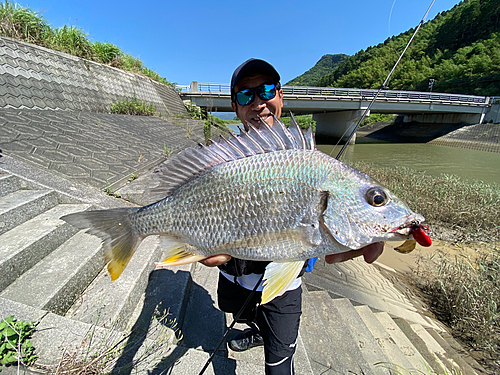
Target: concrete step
[(334, 336), (25, 245), (204, 324), (111, 304), (325, 354), (454, 350), (57, 280), (23, 205), (397, 359), (430, 351), (370, 298), (189, 361), (8, 184), (405, 345), (368, 345)]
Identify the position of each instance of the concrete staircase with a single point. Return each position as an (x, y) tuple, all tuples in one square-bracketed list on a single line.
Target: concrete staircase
[(53, 273)]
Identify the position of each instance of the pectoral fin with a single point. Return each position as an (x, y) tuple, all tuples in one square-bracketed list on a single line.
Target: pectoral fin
[(178, 255), (278, 277)]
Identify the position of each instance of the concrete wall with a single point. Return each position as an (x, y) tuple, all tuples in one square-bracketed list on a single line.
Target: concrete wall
[(493, 114), (33, 77)]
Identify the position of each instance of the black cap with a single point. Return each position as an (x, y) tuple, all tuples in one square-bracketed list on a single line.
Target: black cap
[(253, 66)]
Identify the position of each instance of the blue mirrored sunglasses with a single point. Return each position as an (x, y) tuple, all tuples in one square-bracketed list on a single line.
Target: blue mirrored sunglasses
[(266, 91)]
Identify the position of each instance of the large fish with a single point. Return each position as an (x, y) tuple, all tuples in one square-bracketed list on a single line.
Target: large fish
[(267, 195)]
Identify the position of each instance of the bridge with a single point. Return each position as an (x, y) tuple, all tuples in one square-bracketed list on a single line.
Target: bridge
[(336, 109)]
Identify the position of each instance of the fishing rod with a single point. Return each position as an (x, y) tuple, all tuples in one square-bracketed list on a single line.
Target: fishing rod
[(383, 84)]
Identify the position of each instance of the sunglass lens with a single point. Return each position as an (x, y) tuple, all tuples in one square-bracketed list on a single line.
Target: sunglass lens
[(267, 92), (244, 97)]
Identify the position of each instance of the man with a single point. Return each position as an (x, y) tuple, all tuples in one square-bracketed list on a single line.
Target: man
[(256, 92)]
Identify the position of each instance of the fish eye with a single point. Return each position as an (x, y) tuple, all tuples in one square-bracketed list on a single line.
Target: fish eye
[(376, 197)]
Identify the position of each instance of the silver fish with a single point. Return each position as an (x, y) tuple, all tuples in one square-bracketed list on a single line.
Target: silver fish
[(267, 194)]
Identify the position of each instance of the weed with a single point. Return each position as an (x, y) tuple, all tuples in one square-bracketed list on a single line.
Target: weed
[(133, 106), (15, 344), (133, 177), (189, 131), (167, 151)]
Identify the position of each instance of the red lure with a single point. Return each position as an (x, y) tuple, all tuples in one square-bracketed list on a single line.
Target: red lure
[(420, 234)]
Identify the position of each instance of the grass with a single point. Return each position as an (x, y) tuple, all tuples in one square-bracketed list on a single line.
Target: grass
[(464, 294), (133, 106), (26, 25)]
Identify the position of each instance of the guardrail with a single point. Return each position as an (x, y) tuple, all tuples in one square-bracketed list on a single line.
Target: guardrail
[(363, 94)]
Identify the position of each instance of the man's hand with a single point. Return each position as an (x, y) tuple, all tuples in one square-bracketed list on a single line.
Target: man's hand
[(215, 260), (370, 253)]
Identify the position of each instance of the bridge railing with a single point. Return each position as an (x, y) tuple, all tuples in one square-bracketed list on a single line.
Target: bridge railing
[(363, 94)]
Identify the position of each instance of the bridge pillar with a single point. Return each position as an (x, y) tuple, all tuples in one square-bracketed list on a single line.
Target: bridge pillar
[(333, 126), (193, 87)]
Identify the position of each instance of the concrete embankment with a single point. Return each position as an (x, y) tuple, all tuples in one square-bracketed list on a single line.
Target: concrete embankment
[(482, 137)]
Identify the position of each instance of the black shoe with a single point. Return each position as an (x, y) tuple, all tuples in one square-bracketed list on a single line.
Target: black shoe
[(246, 340)]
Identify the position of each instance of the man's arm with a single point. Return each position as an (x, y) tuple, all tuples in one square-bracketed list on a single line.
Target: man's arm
[(370, 253)]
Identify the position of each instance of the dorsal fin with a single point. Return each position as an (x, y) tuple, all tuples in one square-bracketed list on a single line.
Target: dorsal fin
[(192, 161)]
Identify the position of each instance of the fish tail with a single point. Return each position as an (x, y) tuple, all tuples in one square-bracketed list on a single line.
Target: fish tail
[(114, 227)]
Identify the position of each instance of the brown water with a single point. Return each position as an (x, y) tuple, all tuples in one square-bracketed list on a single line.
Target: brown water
[(432, 159)]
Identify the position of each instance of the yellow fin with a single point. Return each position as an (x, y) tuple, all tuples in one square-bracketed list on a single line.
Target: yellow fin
[(278, 277), (177, 256), (406, 247)]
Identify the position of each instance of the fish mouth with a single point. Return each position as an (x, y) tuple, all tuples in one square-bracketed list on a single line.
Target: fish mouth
[(404, 230)]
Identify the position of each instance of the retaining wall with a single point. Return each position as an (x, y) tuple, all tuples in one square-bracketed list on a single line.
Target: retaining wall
[(33, 77)]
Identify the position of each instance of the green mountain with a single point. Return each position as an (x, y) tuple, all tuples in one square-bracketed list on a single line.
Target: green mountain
[(459, 48), (324, 66)]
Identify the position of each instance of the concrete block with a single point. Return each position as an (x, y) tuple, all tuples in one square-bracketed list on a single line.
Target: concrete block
[(25, 245)]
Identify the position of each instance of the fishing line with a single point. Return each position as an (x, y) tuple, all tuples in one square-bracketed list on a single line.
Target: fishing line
[(383, 84), (232, 325)]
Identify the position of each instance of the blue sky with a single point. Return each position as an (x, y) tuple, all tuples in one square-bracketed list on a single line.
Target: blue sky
[(205, 41)]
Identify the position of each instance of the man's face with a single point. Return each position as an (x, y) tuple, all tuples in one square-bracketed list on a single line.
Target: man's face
[(263, 108)]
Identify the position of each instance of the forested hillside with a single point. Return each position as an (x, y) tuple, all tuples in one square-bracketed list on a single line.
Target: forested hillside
[(459, 48), (324, 66)]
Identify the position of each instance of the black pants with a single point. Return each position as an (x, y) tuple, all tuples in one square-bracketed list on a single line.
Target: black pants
[(278, 321)]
